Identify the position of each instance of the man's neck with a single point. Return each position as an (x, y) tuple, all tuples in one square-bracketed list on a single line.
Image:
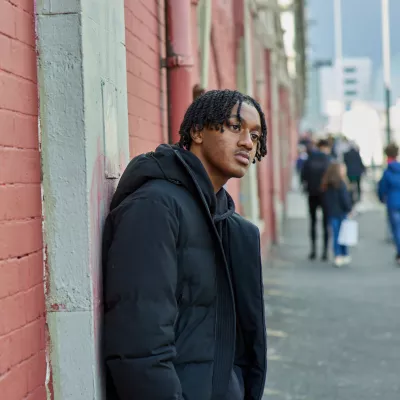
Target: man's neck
[(216, 179)]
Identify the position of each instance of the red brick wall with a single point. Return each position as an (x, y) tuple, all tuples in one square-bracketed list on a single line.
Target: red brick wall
[(22, 308), (145, 46)]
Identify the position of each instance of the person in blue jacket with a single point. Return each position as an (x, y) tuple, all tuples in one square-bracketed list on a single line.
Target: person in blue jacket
[(338, 206), (389, 194)]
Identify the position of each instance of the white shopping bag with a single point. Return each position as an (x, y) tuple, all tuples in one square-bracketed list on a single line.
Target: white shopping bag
[(348, 234)]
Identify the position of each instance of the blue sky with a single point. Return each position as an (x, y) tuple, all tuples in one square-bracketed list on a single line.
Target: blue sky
[(361, 29)]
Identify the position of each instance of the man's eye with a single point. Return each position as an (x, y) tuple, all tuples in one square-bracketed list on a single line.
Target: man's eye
[(235, 127), (255, 137)]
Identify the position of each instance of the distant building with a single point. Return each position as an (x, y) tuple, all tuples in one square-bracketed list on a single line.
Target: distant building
[(331, 93), (356, 83)]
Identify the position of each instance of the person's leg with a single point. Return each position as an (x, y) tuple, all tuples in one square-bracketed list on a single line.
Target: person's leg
[(394, 216), (344, 250), (312, 209), (325, 226), (337, 251), (359, 188), (389, 229), (346, 259)]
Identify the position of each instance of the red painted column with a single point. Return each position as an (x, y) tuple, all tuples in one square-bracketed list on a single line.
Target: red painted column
[(179, 63)]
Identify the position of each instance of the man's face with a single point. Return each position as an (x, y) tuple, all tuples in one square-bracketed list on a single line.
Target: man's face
[(230, 153)]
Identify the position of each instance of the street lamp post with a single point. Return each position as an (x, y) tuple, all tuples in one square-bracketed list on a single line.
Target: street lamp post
[(339, 52), (317, 65), (386, 63)]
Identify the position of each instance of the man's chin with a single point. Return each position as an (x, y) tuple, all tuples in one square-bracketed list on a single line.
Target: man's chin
[(238, 172)]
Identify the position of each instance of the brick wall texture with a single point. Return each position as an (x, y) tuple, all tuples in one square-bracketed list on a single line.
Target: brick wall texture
[(147, 84), (22, 323), (145, 46)]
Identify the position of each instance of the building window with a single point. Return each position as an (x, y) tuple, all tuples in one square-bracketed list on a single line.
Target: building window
[(350, 81), (350, 70), (350, 93)]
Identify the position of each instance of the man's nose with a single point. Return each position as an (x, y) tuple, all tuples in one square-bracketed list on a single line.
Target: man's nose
[(245, 140)]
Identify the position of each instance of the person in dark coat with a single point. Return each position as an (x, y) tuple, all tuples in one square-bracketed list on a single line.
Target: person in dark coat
[(311, 176), (355, 170), (183, 289)]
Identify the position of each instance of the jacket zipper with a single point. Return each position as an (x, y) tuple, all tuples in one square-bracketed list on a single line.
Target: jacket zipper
[(221, 251)]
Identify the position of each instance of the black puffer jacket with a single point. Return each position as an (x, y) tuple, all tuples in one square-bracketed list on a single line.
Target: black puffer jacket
[(183, 295)]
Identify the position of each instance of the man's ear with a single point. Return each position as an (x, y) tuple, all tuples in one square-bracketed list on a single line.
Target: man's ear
[(197, 136)]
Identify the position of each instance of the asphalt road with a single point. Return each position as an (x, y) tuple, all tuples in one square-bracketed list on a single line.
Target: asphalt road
[(334, 334)]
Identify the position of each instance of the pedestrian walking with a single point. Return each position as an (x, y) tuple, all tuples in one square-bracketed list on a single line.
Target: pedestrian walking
[(338, 204), (355, 170), (389, 194), (183, 291), (312, 173), (389, 150)]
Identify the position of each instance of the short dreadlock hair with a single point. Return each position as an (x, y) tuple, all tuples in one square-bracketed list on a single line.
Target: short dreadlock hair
[(212, 110)]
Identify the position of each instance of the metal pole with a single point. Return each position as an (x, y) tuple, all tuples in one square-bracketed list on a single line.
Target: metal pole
[(318, 93), (205, 41), (339, 52), (179, 62), (386, 63), (248, 61)]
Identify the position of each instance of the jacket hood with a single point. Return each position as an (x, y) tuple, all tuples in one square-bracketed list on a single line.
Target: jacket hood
[(394, 167), (180, 167)]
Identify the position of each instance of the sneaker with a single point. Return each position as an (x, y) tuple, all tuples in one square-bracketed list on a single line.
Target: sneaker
[(338, 261), (324, 256), (346, 260), (312, 256)]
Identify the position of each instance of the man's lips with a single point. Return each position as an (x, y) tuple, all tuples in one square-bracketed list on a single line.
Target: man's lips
[(243, 157)]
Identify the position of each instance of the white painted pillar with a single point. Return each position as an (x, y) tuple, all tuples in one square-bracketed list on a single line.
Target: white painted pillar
[(84, 142), (386, 57), (249, 183), (205, 9), (338, 31)]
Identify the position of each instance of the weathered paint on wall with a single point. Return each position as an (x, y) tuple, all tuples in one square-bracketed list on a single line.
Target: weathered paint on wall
[(145, 48), (22, 322), (83, 119)]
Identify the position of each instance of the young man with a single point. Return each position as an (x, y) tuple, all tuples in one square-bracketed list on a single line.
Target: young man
[(183, 291), (389, 193), (311, 175)]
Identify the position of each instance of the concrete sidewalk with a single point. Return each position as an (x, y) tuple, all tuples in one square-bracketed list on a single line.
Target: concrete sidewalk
[(333, 333)]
